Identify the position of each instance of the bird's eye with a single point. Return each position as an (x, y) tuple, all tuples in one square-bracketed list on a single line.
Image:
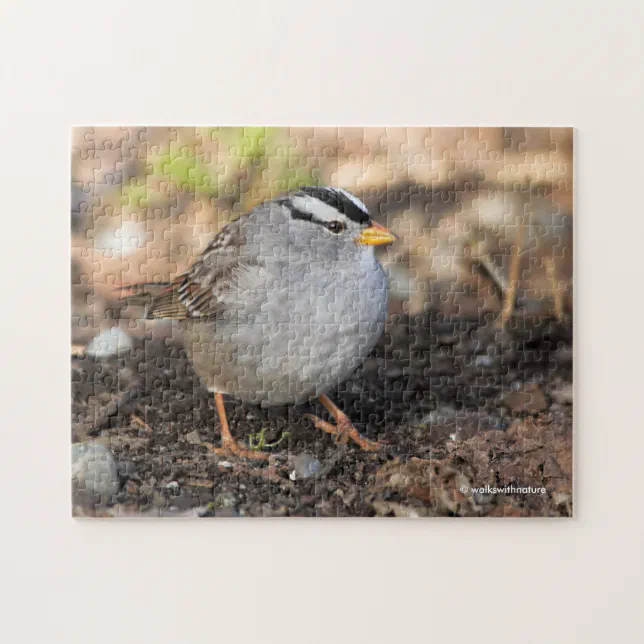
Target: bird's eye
[(336, 227)]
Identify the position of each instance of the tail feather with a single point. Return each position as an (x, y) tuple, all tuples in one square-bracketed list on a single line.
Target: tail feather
[(160, 299)]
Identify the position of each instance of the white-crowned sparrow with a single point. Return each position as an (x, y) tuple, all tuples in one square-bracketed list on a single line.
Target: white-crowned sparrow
[(283, 304)]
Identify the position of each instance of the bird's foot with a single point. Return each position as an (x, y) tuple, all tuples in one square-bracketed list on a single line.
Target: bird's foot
[(344, 431), (229, 446), (343, 428)]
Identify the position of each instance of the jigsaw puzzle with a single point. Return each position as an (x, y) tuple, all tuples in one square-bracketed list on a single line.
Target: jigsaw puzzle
[(328, 322)]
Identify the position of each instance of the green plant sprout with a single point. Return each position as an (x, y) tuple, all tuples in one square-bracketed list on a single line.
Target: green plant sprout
[(257, 441)]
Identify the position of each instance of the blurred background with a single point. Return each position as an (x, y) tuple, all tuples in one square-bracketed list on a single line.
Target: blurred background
[(484, 215), (470, 384)]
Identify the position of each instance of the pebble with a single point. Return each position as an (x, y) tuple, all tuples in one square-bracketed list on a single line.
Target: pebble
[(564, 395), (485, 361), (193, 437), (95, 476), (304, 466), (111, 342), (439, 416)]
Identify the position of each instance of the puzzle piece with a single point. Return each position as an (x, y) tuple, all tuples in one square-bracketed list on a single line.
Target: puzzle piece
[(451, 397)]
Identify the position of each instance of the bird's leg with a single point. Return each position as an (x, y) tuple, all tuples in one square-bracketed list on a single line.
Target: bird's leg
[(228, 444), (343, 428)]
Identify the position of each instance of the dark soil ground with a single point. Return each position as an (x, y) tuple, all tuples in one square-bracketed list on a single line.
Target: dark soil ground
[(458, 403)]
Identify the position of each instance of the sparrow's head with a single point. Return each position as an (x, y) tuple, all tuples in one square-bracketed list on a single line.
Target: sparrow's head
[(336, 215)]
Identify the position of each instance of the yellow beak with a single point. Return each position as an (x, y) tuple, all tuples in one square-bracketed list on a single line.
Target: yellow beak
[(375, 235)]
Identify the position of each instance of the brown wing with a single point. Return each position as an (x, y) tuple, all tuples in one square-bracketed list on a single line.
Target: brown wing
[(201, 291)]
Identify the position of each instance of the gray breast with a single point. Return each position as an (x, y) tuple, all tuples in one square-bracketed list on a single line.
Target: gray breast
[(302, 333)]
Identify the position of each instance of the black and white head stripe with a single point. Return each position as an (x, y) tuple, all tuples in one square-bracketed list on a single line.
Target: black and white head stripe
[(323, 204)]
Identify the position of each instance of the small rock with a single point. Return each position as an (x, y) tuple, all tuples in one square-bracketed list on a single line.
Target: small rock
[(111, 342), (304, 466), (484, 361), (173, 487), (439, 416), (193, 437), (95, 475), (563, 395)]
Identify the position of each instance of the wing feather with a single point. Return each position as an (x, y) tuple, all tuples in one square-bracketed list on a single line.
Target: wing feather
[(203, 291)]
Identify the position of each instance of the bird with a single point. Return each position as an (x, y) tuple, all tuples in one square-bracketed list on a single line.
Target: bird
[(282, 306)]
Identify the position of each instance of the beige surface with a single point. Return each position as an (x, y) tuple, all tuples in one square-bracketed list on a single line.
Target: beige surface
[(354, 581)]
